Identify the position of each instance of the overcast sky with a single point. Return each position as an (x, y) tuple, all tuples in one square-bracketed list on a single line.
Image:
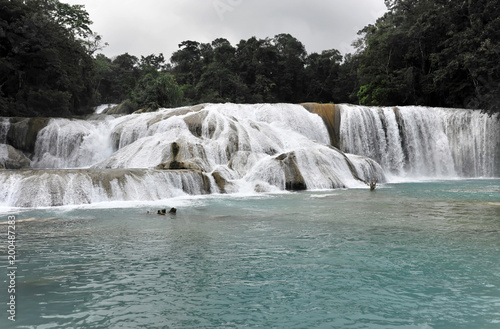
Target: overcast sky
[(158, 26)]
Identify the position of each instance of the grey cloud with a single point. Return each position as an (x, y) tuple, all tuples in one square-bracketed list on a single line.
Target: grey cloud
[(151, 26)]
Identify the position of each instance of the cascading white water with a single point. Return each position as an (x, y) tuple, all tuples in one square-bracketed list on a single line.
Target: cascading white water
[(421, 142), (101, 108), (4, 154), (71, 143), (231, 148), (240, 142), (42, 188), (475, 142), (4, 129), (144, 140), (372, 132)]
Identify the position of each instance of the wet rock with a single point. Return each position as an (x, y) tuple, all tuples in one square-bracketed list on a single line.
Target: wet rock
[(331, 117), (193, 158), (24, 131), (123, 108), (220, 181), (294, 181), (176, 165), (11, 158), (195, 120)]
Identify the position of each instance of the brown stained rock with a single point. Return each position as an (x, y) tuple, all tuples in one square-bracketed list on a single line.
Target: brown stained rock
[(331, 117), (220, 181)]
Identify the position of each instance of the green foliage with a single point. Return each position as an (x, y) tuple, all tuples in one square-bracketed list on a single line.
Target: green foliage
[(373, 94), (153, 92), (125, 107), (265, 70), (45, 67), (152, 64), (423, 52), (322, 76), (435, 53), (188, 62), (73, 19)]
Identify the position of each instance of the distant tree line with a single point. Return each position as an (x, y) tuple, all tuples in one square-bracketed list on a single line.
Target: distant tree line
[(421, 52), (265, 70)]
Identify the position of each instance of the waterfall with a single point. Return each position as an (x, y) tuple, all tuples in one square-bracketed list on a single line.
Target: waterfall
[(209, 148), (45, 188), (475, 142), (234, 148), (73, 143), (4, 129), (422, 142)]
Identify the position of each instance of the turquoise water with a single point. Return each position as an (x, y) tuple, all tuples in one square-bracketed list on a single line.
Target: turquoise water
[(409, 255)]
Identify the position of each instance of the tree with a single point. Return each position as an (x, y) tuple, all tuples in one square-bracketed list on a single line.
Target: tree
[(347, 85), (256, 63), (322, 74), (124, 76), (220, 81), (289, 77), (46, 68), (187, 62), (157, 90), (153, 63), (436, 53), (103, 80), (187, 66)]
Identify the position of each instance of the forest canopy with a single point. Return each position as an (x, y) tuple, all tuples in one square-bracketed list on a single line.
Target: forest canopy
[(421, 52), (46, 63)]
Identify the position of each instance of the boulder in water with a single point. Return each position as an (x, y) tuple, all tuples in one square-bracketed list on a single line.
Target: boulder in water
[(163, 212)]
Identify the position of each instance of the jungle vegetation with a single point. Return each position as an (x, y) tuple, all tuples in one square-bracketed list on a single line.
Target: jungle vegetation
[(420, 52)]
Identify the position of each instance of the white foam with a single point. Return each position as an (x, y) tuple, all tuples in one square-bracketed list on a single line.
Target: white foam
[(101, 108)]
